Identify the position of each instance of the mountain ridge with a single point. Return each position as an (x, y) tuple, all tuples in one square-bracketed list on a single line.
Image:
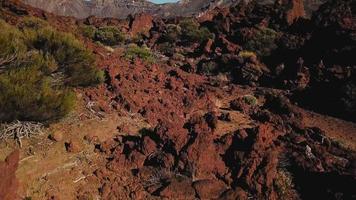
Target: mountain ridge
[(122, 8)]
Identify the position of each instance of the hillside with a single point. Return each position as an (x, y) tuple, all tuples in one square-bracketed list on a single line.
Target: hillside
[(122, 8), (243, 101)]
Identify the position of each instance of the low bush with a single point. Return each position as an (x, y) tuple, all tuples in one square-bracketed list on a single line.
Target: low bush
[(12, 46), (88, 31), (263, 42), (207, 67), (44, 62), (247, 54), (33, 23), (133, 52), (38, 66), (284, 185), (73, 58), (166, 49), (192, 32), (109, 35), (250, 100), (26, 94), (173, 33)]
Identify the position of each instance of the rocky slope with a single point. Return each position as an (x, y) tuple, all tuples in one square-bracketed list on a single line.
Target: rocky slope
[(123, 8), (211, 120), (118, 8)]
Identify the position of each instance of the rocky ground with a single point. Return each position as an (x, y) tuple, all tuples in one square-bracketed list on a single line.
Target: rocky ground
[(170, 130)]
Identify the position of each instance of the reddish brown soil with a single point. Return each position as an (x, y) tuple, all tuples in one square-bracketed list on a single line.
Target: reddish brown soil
[(191, 144), (164, 133)]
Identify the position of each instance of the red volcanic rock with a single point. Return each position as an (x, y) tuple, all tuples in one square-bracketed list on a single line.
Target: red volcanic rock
[(238, 194), (98, 22), (208, 45), (296, 10), (56, 136), (209, 189), (207, 165), (8, 181), (228, 46), (179, 189), (149, 146), (73, 146), (170, 131), (141, 24)]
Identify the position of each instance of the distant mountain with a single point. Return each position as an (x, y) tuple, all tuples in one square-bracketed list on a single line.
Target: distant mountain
[(122, 8)]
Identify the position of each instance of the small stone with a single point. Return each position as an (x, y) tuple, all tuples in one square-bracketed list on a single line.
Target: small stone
[(91, 138), (179, 189), (72, 146), (209, 189), (56, 136)]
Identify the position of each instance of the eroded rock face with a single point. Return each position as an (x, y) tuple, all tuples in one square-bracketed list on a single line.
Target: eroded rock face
[(295, 10), (8, 181), (141, 24), (188, 154), (122, 8)]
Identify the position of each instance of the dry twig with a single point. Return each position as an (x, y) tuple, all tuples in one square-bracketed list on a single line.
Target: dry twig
[(18, 130)]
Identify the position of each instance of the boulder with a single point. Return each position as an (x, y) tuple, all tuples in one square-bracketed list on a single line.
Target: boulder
[(56, 136), (141, 24), (209, 189), (8, 181)]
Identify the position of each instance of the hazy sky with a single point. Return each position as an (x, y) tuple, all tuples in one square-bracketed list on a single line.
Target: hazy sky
[(163, 1)]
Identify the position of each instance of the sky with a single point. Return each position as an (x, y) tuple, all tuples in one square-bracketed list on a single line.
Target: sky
[(163, 1)]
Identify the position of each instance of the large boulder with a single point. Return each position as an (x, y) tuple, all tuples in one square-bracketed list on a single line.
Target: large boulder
[(8, 181), (141, 24)]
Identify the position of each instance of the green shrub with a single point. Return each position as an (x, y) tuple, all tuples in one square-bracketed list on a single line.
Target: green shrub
[(250, 100), (88, 31), (166, 48), (208, 67), (109, 35), (33, 23), (138, 38), (12, 46), (247, 54), (263, 42), (26, 94), (173, 32), (44, 62), (133, 52), (284, 185), (192, 32), (71, 55)]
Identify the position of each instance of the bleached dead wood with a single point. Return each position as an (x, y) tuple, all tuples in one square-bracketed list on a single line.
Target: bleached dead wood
[(4, 61), (90, 107), (18, 130)]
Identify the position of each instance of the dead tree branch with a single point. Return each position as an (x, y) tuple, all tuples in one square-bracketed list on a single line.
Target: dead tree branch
[(18, 130)]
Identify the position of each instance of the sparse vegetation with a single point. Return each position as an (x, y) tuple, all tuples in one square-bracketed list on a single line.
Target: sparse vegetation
[(33, 23), (173, 32), (250, 100), (133, 52), (26, 94), (192, 32), (109, 35), (284, 185), (70, 54), (32, 60), (208, 67), (12, 46), (263, 42), (166, 49), (247, 54), (88, 31)]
